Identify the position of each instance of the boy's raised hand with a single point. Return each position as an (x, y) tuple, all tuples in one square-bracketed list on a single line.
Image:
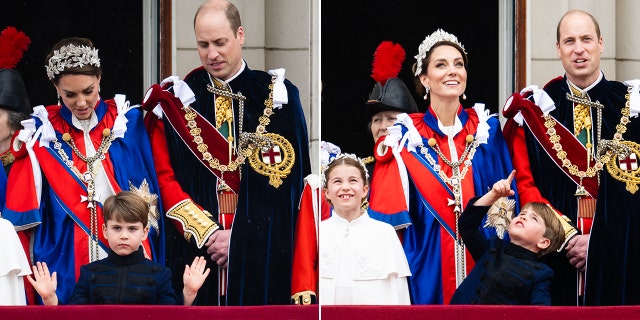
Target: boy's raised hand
[(45, 283), (500, 189), (193, 279)]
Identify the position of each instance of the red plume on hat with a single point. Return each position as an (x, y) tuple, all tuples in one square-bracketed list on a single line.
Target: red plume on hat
[(387, 61), (389, 93), (13, 43), (13, 94)]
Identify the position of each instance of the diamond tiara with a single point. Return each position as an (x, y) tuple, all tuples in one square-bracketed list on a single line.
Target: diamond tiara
[(71, 56), (429, 41), (340, 156)]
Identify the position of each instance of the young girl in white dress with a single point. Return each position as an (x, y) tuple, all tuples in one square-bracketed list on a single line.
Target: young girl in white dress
[(361, 259), (13, 267)]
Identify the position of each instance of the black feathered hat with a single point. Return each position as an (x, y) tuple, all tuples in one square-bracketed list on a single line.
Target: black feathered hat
[(13, 94), (389, 93)]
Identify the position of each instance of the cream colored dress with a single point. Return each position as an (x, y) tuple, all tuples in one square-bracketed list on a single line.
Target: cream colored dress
[(361, 263), (13, 266)]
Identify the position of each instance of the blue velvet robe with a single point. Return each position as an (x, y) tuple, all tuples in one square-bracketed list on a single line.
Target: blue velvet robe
[(424, 238), (261, 244), (57, 219), (612, 276)]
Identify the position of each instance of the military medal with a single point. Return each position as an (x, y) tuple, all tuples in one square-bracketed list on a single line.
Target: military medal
[(500, 215), (144, 191)]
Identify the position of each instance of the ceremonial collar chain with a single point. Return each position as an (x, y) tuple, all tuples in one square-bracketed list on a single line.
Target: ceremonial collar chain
[(585, 101), (88, 178), (225, 92), (248, 141), (71, 56), (455, 181), (606, 148)]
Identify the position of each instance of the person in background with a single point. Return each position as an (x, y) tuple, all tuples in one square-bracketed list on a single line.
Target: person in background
[(14, 107), (361, 259), (313, 209), (388, 98), (574, 145), (69, 158)]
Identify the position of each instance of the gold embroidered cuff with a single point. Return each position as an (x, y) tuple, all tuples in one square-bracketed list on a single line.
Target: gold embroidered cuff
[(304, 297), (197, 223), (567, 226)]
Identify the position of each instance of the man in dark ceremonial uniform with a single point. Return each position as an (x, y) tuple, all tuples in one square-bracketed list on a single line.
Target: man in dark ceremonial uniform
[(575, 146), (232, 152)]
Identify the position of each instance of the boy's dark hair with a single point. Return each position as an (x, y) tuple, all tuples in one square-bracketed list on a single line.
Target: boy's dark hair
[(553, 228), (126, 206)]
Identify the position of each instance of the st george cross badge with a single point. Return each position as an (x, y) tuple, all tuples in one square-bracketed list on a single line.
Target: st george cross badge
[(625, 167), (272, 156), (276, 162), (628, 163)]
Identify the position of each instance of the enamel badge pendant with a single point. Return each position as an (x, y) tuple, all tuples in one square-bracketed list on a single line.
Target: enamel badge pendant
[(625, 169), (500, 215), (275, 162)]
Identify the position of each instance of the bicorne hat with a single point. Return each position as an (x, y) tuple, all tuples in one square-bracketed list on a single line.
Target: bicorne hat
[(13, 94), (389, 93)]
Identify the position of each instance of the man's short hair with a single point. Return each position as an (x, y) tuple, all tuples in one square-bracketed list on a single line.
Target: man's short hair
[(595, 23), (230, 11)]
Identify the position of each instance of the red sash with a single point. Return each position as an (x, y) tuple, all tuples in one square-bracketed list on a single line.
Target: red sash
[(576, 152), (174, 110)]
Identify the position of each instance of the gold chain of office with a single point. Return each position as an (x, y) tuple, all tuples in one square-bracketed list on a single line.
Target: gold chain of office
[(603, 156), (245, 151)]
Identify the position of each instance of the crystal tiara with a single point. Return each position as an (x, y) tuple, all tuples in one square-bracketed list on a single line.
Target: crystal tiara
[(437, 36), (71, 56)]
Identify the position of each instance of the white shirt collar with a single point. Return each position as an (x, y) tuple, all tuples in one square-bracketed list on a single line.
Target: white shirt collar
[(364, 216), (585, 90), (451, 131), (81, 124), (226, 82)]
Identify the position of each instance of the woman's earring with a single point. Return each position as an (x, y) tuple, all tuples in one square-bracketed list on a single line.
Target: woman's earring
[(464, 96), (58, 94), (426, 89)]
